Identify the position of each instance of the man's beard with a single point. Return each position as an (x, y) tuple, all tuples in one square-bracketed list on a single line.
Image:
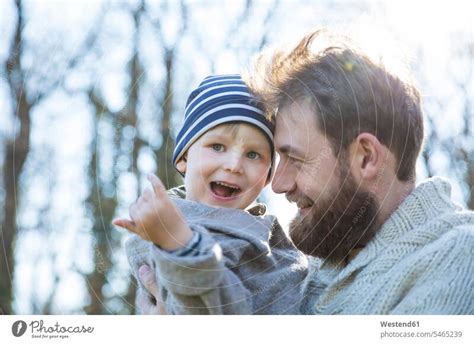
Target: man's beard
[(335, 226)]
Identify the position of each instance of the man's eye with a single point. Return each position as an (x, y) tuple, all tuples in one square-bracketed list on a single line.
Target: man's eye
[(253, 155), (294, 160), (218, 147)]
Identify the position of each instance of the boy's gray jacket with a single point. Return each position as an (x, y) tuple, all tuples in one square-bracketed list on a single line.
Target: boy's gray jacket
[(242, 264)]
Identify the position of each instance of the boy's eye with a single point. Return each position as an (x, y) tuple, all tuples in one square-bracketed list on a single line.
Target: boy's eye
[(218, 147), (253, 155)]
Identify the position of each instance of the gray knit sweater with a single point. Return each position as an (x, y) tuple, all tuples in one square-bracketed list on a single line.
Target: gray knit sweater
[(420, 262), (241, 264)]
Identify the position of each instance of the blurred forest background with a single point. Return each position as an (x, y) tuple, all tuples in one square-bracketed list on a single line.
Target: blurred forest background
[(91, 95)]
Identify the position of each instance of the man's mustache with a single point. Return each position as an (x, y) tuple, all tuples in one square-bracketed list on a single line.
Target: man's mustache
[(299, 198)]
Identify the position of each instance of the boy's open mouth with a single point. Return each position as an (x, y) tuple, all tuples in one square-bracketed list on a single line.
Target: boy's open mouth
[(223, 189)]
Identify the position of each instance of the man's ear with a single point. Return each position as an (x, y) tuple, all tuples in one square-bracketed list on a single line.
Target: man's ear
[(181, 165), (368, 157)]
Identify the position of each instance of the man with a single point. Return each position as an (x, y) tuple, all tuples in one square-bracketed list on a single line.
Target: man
[(348, 133)]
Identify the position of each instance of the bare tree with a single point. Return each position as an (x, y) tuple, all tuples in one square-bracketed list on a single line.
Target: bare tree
[(462, 157), (16, 151), (17, 147), (128, 116), (165, 169), (459, 148), (102, 200)]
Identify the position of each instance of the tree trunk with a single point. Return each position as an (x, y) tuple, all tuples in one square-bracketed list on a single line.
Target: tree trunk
[(165, 170), (15, 156)]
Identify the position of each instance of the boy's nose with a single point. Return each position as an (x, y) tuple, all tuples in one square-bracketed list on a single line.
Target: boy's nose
[(233, 163)]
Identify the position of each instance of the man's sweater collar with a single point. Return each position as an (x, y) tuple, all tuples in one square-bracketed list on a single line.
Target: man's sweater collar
[(428, 200)]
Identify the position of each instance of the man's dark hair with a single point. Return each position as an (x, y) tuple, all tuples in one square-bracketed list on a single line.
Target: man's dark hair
[(350, 93)]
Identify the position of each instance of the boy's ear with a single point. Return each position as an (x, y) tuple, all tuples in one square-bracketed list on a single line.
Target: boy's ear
[(181, 165)]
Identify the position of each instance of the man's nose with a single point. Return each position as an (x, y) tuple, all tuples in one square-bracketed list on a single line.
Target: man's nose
[(283, 181)]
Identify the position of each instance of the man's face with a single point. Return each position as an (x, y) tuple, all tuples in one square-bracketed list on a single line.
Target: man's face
[(335, 214), (307, 169), (227, 166)]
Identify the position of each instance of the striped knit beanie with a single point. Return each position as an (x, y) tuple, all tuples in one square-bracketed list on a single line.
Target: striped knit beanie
[(219, 99)]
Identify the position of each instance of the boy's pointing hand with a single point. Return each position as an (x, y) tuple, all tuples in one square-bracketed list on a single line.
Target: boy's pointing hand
[(154, 217)]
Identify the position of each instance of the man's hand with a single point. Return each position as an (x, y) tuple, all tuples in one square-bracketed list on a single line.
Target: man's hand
[(146, 305), (155, 218)]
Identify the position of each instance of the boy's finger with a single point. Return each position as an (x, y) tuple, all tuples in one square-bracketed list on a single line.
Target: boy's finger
[(148, 194), (157, 184), (124, 223)]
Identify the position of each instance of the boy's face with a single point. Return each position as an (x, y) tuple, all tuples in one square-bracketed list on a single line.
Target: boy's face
[(227, 167)]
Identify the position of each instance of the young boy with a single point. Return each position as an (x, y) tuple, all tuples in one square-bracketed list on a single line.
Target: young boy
[(210, 255)]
